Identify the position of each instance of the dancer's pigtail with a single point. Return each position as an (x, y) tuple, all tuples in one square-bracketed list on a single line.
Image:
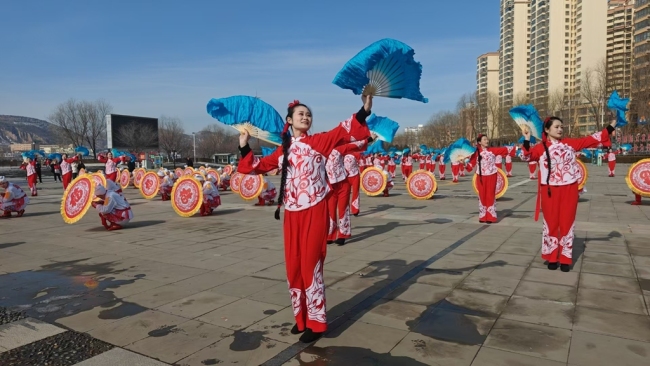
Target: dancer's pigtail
[(479, 158), (547, 124), (286, 145)]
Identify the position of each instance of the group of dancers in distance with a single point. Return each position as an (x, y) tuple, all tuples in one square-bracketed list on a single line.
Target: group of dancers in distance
[(319, 174)]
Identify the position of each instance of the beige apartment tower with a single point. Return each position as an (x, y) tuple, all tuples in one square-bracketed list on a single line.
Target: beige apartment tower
[(487, 92), (514, 56), (620, 31)]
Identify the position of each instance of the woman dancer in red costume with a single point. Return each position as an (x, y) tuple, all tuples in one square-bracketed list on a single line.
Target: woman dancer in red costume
[(486, 183), (558, 187), (303, 191)]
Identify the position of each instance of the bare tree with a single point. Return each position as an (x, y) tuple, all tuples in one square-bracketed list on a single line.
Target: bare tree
[(172, 137), (593, 89), (215, 139), (70, 128), (80, 123), (495, 115), (136, 137)]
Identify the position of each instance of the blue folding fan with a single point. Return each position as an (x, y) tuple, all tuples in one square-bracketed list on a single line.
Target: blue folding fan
[(587, 153), (626, 147), (527, 118), (386, 68), (57, 156), (533, 140), (459, 150), (384, 127), (28, 154), (117, 153), (406, 151), (266, 151), (376, 147), (242, 112), (619, 105), (83, 150)]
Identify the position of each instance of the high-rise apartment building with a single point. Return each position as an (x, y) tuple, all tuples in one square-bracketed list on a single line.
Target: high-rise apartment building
[(514, 54), (620, 31), (640, 107), (487, 92)]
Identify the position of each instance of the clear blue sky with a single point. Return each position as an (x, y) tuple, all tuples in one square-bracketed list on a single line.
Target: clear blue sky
[(152, 58)]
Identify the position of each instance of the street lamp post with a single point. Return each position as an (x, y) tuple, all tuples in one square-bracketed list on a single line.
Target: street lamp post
[(194, 136), (174, 157)]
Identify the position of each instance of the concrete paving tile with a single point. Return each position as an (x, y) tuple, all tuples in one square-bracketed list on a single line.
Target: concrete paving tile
[(347, 265), (247, 268), (611, 283), (359, 334), (549, 313), (607, 322), (120, 357), (134, 328), (593, 349), (160, 295), (530, 339), (492, 285), (612, 300), (358, 284), (416, 349), (339, 302), (277, 327), (510, 259), (25, 331), (170, 344), (241, 350), (493, 357), (240, 314), (245, 286), (453, 326), (106, 313), (368, 255), (545, 291), (607, 258), (276, 294), (474, 303), (197, 304), (418, 293), (555, 277), (621, 270), (207, 280), (332, 277), (499, 270), (392, 313), (606, 248), (441, 277)]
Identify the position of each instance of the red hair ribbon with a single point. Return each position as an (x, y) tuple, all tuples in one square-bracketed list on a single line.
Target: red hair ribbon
[(294, 103), (286, 128)]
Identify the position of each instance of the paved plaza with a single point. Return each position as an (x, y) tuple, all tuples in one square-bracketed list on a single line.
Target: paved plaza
[(420, 283)]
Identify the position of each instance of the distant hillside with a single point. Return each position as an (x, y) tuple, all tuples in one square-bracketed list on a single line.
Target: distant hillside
[(18, 129)]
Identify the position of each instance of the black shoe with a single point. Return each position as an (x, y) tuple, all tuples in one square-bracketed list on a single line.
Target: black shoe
[(355, 215), (295, 330), (340, 241), (309, 336), (552, 266), (330, 242), (565, 267)]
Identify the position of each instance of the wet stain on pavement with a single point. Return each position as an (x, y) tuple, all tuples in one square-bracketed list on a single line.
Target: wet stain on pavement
[(247, 341), (330, 356), (448, 322), (9, 245), (211, 361), (270, 312), (63, 289), (163, 331)]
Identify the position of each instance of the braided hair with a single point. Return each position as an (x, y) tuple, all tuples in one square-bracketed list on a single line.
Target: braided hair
[(479, 158), (547, 125), (286, 145)]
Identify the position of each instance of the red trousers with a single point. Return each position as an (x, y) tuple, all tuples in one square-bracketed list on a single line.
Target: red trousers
[(338, 207), (391, 170), (509, 169), (305, 246), (559, 222), (112, 176), (499, 165), (612, 167), (422, 165), (532, 168), (355, 184), (407, 170), (67, 178), (455, 170), (441, 168), (31, 182), (487, 203)]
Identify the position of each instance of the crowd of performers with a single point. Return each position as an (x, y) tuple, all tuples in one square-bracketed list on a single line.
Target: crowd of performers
[(319, 194)]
